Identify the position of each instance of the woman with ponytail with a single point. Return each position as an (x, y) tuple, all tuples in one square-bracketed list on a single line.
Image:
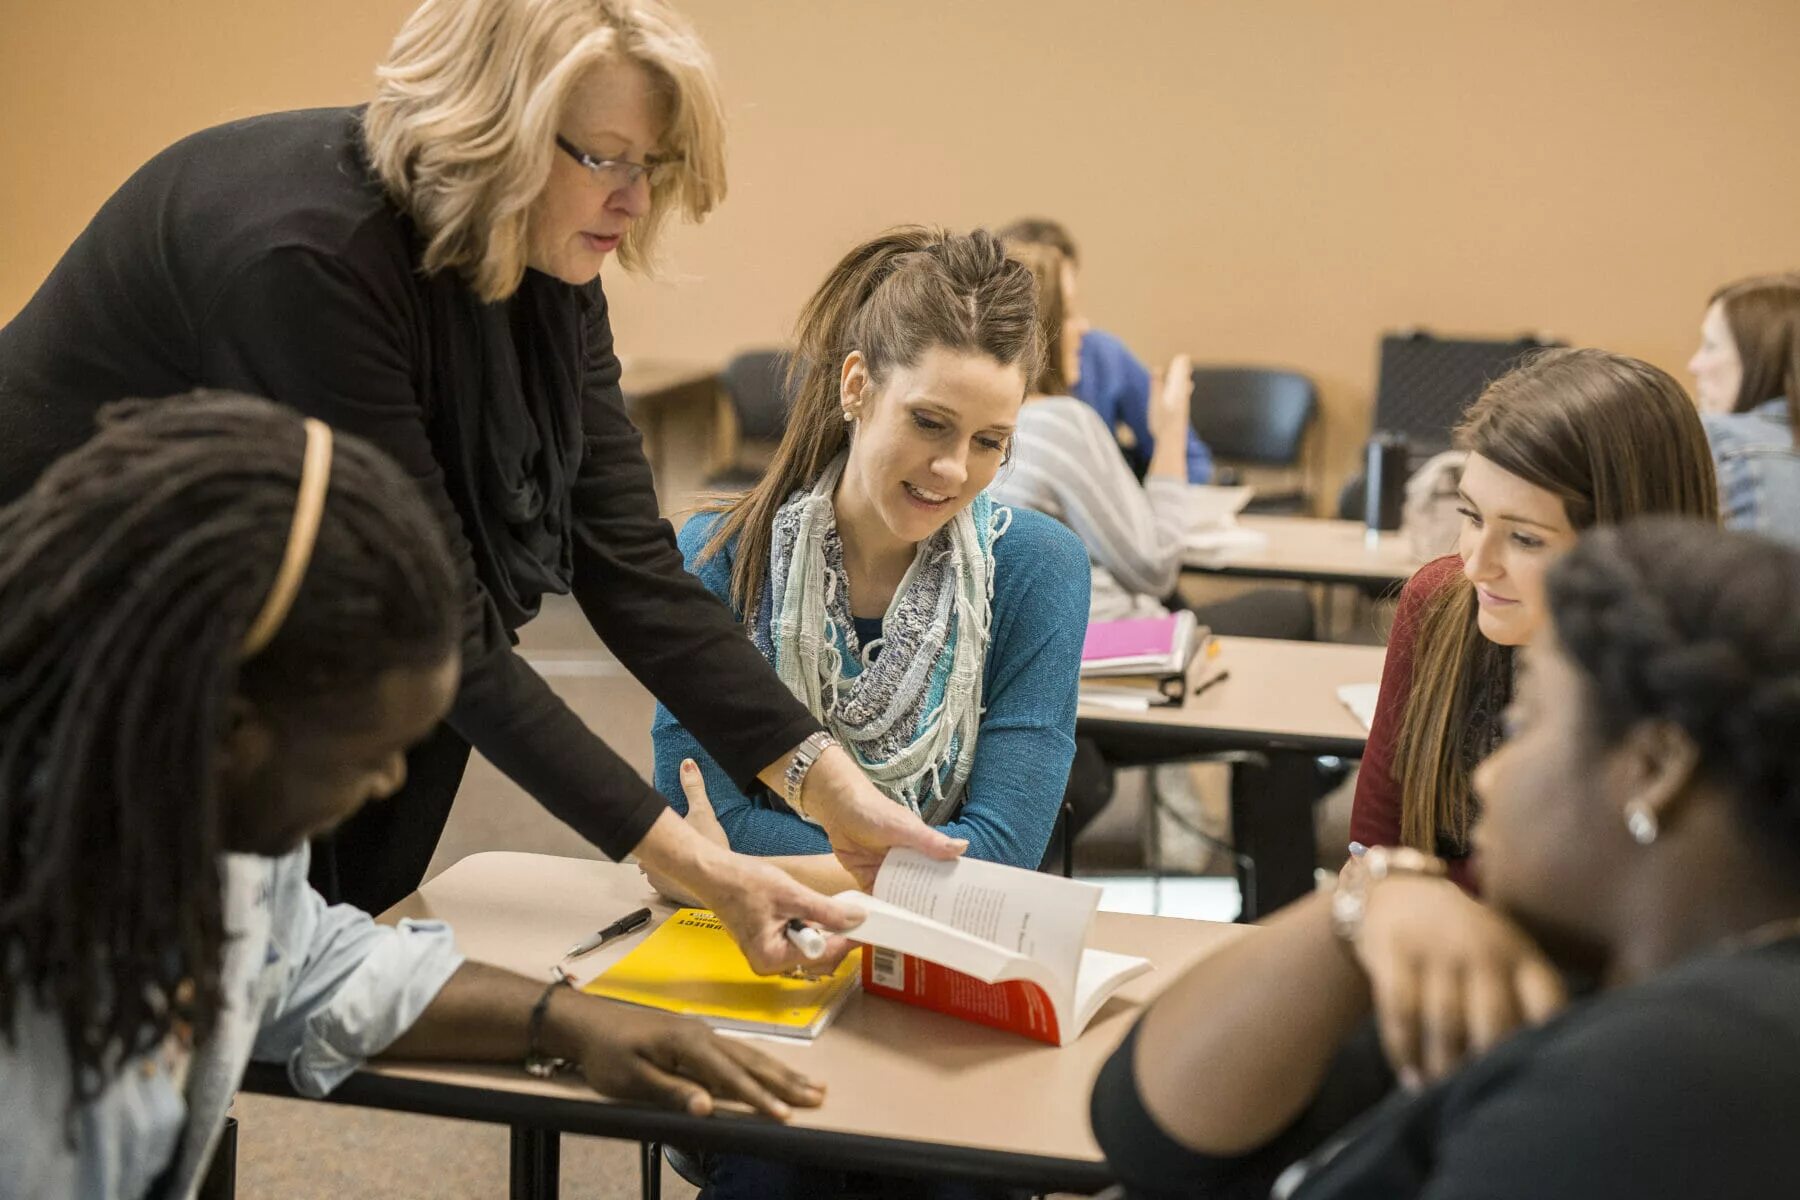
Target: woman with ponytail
[(1570, 440), (221, 627), (935, 634)]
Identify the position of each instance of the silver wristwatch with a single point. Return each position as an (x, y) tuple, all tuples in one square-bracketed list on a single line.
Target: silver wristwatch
[(794, 779), (1351, 899)]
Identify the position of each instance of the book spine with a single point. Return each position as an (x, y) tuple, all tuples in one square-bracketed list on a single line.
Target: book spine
[(1013, 1005)]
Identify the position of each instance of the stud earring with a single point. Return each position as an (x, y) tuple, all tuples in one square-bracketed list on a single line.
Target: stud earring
[(1641, 822), (849, 415)]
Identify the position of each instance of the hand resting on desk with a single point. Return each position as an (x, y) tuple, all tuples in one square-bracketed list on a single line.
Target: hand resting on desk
[(483, 1013)]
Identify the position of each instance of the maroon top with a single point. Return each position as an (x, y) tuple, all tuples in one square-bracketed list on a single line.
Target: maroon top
[(1375, 816)]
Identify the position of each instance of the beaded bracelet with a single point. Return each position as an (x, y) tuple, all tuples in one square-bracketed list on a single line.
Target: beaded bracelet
[(537, 1062)]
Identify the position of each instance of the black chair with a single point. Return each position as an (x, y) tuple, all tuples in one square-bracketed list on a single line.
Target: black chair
[(754, 383), (1256, 416)]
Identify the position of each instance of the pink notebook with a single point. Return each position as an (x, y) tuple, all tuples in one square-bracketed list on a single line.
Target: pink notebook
[(1147, 644)]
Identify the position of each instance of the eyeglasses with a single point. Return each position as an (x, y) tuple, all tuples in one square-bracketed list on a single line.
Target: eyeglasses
[(616, 174)]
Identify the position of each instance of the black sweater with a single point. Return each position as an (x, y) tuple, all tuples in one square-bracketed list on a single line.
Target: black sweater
[(1683, 1086), (263, 256)]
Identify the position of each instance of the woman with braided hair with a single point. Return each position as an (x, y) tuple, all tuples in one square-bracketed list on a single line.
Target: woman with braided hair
[(1639, 839), (1570, 440), (220, 629)]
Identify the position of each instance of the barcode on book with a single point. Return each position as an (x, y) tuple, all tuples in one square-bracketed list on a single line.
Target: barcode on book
[(889, 970)]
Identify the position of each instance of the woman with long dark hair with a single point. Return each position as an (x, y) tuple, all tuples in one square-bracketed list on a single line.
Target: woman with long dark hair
[(1571, 440)]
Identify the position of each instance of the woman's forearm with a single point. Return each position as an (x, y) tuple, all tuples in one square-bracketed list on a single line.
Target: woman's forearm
[(482, 1013), (1237, 1047), (820, 872)]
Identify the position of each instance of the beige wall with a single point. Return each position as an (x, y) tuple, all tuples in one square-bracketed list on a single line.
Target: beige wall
[(1266, 182)]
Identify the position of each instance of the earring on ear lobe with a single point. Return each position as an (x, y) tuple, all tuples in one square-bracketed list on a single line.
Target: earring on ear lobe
[(849, 415), (1641, 822)]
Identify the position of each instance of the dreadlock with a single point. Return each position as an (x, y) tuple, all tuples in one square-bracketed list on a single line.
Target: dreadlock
[(128, 577)]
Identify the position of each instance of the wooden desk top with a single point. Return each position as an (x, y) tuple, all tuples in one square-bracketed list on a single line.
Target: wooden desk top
[(643, 378), (891, 1071), (1279, 693), (1313, 550)]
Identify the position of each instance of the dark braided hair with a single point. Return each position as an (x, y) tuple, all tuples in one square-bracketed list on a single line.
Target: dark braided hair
[(128, 577), (1679, 621)]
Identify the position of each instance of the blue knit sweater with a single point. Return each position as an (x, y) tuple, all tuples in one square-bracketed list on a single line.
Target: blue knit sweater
[(1027, 734)]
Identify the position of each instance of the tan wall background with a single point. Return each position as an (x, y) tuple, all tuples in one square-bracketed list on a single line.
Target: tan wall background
[(1258, 182)]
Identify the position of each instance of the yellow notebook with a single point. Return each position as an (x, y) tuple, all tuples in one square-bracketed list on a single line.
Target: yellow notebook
[(690, 965)]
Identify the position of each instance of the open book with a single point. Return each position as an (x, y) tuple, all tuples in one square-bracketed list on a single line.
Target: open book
[(992, 944)]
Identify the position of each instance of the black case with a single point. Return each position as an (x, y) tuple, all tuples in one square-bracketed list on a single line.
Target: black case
[(1426, 382)]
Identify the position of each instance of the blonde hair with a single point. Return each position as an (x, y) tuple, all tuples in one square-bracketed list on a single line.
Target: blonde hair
[(1046, 264), (462, 129)]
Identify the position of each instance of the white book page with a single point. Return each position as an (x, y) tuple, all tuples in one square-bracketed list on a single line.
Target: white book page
[(1101, 973), (1045, 918)]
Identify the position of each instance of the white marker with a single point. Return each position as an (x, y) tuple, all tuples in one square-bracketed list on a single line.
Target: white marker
[(809, 941)]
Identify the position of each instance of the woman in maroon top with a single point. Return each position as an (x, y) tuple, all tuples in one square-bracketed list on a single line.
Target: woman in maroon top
[(1572, 439)]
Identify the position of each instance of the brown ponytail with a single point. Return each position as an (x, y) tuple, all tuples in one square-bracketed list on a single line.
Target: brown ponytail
[(892, 298)]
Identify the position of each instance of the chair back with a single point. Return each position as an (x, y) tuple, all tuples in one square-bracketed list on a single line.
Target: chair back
[(1426, 382), (1253, 414), (755, 383)]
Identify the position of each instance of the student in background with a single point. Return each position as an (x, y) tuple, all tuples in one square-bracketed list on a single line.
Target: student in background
[(1747, 383), (220, 629), (1110, 379), (1640, 832), (1065, 463), (936, 634), (1570, 440)]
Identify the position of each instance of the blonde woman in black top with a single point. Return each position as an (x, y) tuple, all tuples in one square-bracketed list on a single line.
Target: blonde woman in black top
[(424, 272)]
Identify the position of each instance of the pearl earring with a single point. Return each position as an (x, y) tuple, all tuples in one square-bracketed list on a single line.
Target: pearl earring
[(849, 415), (1641, 822)]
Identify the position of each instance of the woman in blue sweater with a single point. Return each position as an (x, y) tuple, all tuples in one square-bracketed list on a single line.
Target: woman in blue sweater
[(936, 635)]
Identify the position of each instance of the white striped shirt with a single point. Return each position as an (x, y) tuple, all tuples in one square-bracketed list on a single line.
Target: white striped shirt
[(1066, 464)]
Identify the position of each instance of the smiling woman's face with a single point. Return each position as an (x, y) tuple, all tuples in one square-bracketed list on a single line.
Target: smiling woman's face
[(1512, 532), (928, 438)]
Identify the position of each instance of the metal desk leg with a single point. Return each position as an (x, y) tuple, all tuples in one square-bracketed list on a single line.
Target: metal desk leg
[(650, 1170), (1272, 824), (536, 1157)]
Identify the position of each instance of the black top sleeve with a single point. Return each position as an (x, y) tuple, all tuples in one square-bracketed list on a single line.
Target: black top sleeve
[(336, 341), (1153, 1165), (660, 621)]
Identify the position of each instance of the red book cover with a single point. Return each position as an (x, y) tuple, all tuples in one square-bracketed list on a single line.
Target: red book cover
[(1015, 1005)]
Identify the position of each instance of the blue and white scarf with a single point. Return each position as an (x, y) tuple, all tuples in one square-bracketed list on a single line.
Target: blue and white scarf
[(910, 716)]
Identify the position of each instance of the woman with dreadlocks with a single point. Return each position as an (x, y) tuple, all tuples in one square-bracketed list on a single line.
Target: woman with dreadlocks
[(220, 629)]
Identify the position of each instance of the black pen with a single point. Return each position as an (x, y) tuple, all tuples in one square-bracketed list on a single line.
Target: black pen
[(618, 928), (1221, 677)]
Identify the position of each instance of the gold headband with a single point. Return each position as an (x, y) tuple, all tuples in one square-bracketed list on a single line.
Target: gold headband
[(309, 508)]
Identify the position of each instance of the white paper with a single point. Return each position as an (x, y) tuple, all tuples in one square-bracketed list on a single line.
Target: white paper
[(1360, 699)]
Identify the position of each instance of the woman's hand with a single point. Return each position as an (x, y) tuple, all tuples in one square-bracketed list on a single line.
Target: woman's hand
[(702, 820), (1170, 417), (753, 898), (675, 1062), (1449, 976), (862, 822)]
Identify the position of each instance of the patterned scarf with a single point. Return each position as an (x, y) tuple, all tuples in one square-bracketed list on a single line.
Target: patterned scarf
[(910, 716)]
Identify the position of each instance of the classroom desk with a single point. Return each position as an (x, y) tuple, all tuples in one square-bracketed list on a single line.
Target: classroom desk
[(672, 401), (1279, 705), (908, 1091), (1312, 550)]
